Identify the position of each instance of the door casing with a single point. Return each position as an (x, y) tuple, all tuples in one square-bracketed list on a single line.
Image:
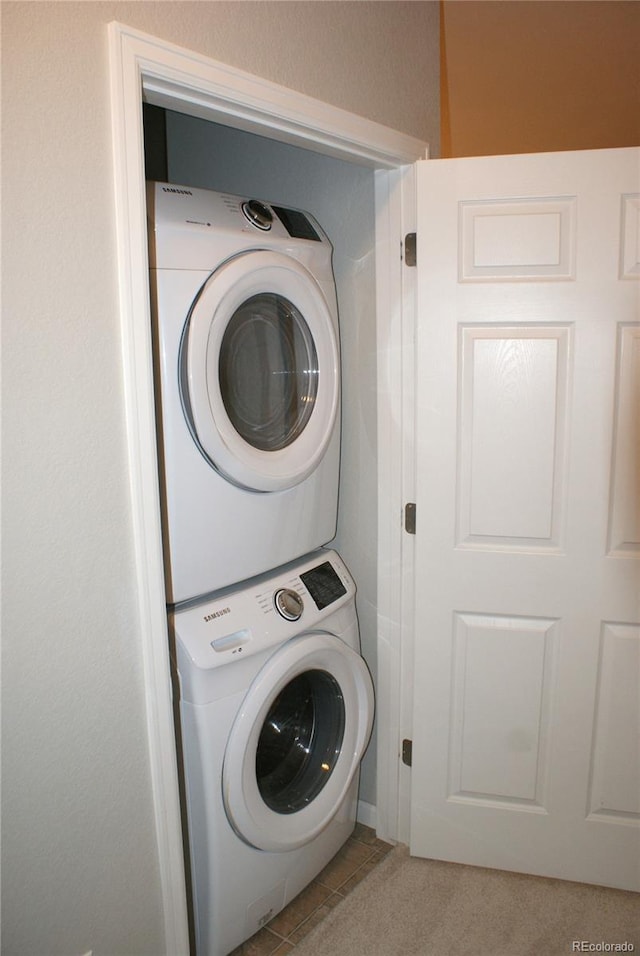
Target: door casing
[(143, 67)]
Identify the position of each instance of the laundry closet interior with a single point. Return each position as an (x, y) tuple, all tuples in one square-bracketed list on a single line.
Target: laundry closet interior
[(193, 152)]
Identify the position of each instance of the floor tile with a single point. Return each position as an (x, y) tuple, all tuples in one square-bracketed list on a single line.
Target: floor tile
[(299, 909), (360, 874), (344, 864), (368, 836), (263, 943), (362, 852), (305, 928)]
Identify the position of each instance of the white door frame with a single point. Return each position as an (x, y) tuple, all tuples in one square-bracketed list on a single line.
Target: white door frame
[(161, 73)]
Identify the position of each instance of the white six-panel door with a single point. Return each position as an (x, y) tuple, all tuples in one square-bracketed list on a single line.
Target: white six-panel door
[(526, 750)]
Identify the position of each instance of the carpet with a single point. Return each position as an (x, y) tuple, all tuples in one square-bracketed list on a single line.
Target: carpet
[(415, 907)]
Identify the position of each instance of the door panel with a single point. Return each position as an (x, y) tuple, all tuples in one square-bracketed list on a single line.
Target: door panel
[(339, 711), (259, 371), (526, 752)]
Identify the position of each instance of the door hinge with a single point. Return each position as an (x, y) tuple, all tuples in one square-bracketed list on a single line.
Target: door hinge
[(407, 751), (410, 243), (410, 517)]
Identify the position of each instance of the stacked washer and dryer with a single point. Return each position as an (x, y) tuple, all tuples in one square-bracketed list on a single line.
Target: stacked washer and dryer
[(275, 702)]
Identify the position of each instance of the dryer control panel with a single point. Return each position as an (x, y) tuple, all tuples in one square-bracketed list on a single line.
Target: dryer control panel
[(234, 222)]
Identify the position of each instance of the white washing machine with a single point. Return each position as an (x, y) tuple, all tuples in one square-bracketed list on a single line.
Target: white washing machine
[(248, 375), (276, 707)]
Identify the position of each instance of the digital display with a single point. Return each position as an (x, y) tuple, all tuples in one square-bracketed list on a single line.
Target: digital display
[(296, 223), (323, 584)]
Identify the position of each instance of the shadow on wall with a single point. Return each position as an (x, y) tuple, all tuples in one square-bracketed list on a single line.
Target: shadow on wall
[(505, 88)]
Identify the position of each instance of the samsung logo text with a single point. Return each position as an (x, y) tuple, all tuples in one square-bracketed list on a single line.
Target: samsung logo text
[(215, 614)]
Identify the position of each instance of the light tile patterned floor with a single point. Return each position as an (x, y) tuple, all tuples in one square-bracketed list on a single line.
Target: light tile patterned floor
[(358, 857)]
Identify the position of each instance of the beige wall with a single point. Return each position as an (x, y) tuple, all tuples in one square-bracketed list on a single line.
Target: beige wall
[(80, 867), (526, 76)]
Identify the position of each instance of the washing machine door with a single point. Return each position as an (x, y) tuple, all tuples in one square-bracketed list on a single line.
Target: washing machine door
[(297, 742), (259, 371)]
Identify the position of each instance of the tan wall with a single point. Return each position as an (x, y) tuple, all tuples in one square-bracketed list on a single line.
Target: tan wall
[(520, 76), (80, 864)]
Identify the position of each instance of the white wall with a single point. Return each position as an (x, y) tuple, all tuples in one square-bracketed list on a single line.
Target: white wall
[(80, 868), (341, 197)]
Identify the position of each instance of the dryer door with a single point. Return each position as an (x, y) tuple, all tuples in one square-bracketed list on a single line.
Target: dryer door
[(260, 371), (297, 742)]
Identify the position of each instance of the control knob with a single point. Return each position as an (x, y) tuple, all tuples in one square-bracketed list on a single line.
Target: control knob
[(288, 604), (258, 214)]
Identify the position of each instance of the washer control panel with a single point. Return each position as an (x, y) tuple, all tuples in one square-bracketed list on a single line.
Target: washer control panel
[(323, 584), (289, 604), (268, 610)]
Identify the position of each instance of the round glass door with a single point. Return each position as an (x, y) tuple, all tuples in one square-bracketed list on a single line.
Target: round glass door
[(268, 370), (259, 371), (300, 741), (297, 742)]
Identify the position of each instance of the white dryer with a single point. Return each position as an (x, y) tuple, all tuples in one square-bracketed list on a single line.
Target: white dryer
[(248, 378), (276, 708)]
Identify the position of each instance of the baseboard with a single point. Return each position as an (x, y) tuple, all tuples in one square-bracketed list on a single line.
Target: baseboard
[(367, 814)]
